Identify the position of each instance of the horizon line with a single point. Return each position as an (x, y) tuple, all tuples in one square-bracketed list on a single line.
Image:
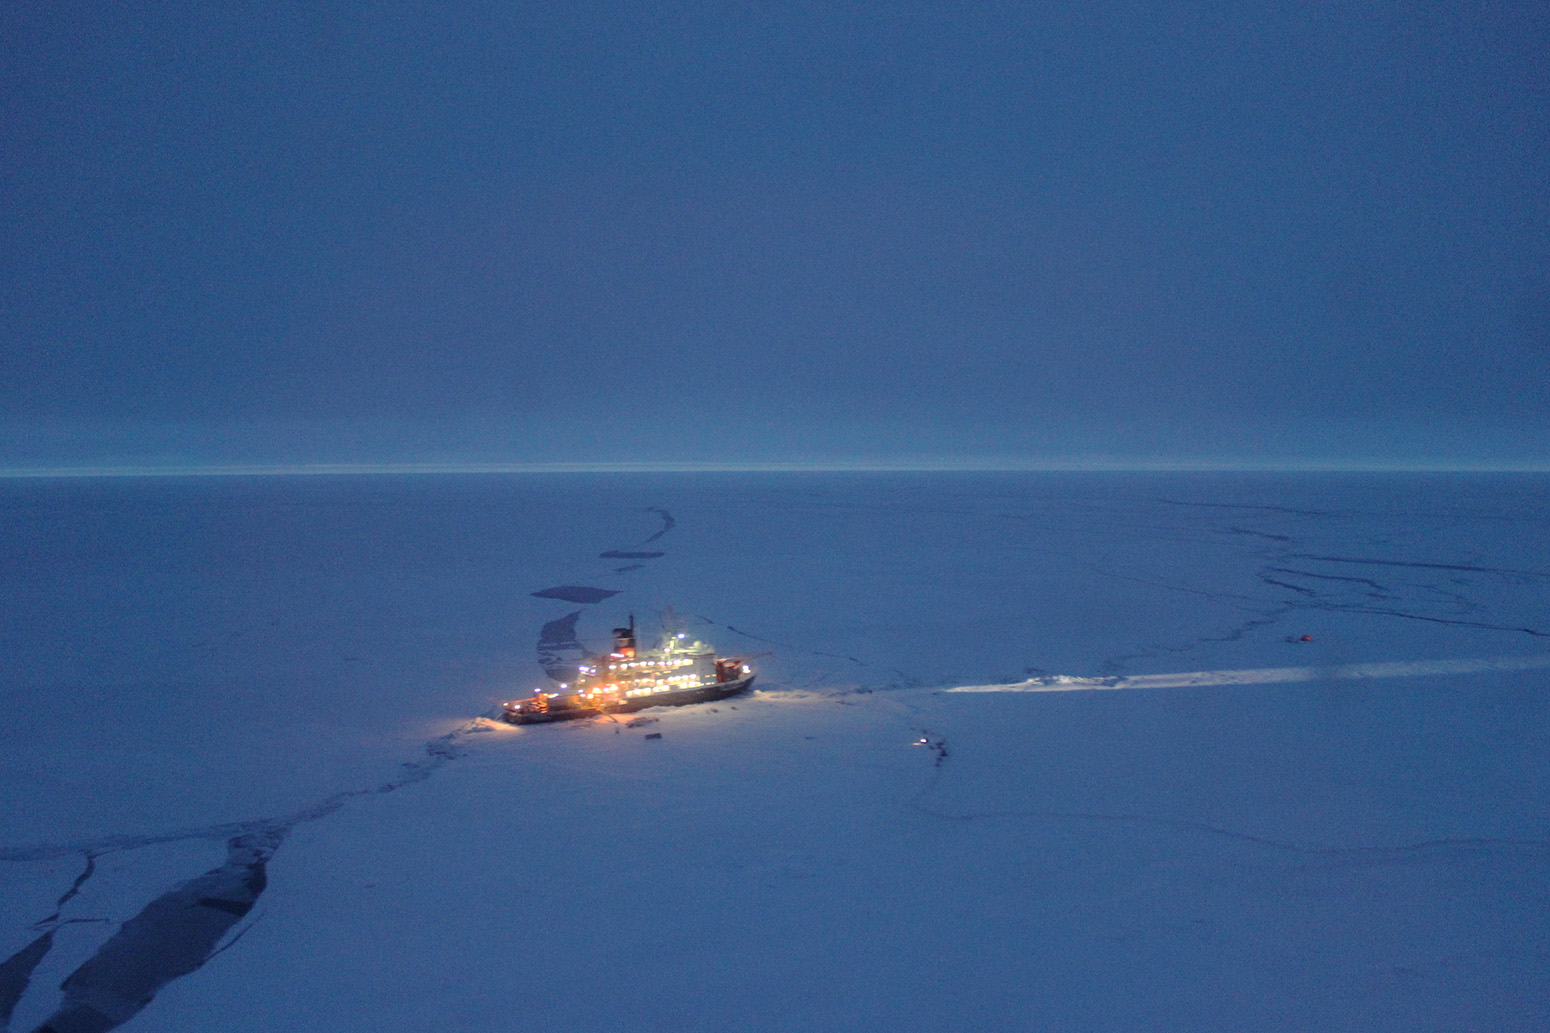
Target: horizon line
[(126, 470)]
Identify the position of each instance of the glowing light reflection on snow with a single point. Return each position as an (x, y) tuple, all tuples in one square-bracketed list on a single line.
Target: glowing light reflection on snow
[(1269, 675)]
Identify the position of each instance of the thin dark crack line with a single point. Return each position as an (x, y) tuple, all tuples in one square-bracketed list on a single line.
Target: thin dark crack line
[(229, 944), (1267, 509), (80, 880), (1258, 534), (668, 523), (70, 894), (786, 645), (438, 751), (1435, 620), (1330, 577), (1263, 619), (1538, 575)]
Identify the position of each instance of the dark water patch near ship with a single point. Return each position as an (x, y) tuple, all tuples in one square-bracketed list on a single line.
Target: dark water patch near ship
[(575, 593), (559, 651), (175, 934)]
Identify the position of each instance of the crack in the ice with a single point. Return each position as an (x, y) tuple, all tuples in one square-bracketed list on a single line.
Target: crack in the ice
[(80, 880), (787, 645), (169, 939), (1115, 666), (229, 944), (438, 751), (1436, 620), (173, 935), (668, 523), (1300, 589), (1528, 575), (1266, 509), (181, 930), (739, 631), (1258, 534), (1378, 591), (71, 893), (16, 971), (1457, 601), (1461, 602)]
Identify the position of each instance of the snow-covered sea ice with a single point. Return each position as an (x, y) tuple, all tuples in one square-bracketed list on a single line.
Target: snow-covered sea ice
[(1322, 806)]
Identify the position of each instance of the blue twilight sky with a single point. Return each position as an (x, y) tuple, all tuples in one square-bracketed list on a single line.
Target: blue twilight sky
[(721, 231)]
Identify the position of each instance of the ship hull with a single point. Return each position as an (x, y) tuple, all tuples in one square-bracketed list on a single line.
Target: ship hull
[(677, 698), (703, 694)]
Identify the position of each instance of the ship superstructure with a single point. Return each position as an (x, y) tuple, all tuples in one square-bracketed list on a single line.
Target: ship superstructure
[(678, 671)]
